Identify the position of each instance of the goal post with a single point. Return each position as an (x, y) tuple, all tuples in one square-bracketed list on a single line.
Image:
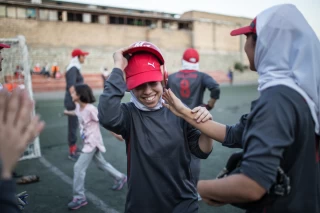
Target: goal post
[(16, 72)]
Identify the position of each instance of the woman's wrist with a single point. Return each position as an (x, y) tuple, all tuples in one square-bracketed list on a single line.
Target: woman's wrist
[(186, 113), (118, 66)]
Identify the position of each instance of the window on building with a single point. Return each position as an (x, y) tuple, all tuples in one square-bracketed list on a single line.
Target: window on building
[(148, 22), (94, 18), (184, 26), (130, 21), (86, 18), (21, 12), (53, 15), (77, 17), (112, 20), (121, 20), (116, 20), (43, 14), (31, 13), (139, 22), (102, 19), (60, 18), (11, 12), (3, 11), (165, 24)]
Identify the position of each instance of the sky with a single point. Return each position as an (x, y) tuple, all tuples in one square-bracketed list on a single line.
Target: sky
[(245, 8)]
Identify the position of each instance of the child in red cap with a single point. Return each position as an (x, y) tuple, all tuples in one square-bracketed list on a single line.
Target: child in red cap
[(159, 144)]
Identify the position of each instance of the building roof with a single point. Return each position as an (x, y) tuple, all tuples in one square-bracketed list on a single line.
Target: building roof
[(86, 8), (186, 17)]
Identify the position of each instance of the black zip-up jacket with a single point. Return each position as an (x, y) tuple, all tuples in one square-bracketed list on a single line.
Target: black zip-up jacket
[(159, 146)]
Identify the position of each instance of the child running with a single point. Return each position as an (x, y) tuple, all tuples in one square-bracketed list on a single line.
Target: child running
[(93, 146)]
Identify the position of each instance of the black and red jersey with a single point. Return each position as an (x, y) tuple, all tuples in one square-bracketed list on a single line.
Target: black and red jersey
[(189, 86)]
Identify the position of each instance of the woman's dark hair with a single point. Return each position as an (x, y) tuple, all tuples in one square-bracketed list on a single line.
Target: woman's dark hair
[(85, 93), (255, 37)]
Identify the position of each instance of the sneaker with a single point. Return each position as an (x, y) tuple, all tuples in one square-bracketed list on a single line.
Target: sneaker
[(77, 203), (73, 157), (118, 184), (22, 200)]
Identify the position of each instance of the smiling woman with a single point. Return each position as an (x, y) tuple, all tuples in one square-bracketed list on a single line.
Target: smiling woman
[(159, 144)]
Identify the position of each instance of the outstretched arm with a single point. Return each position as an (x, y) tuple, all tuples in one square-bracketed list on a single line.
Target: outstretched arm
[(69, 112), (210, 128)]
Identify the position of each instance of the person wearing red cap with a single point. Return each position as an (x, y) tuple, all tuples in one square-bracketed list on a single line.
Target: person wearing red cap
[(73, 77), (158, 143), (1, 58), (189, 85), (279, 167)]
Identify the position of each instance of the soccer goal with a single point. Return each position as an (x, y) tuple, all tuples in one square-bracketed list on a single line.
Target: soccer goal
[(16, 73)]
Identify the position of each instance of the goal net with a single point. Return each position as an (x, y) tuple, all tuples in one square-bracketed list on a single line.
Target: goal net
[(16, 73)]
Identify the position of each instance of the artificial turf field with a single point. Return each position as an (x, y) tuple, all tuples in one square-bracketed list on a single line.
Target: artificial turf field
[(54, 191)]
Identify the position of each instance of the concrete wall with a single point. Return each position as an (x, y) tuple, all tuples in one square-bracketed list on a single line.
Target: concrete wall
[(51, 41)]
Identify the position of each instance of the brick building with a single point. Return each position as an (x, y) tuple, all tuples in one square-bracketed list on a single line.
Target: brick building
[(54, 28)]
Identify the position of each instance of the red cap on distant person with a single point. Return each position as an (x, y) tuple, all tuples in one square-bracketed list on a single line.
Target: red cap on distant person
[(4, 46), (245, 30), (78, 52), (142, 67), (191, 55)]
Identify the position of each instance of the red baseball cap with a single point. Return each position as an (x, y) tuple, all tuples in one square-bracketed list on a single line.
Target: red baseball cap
[(78, 52), (4, 46), (142, 67), (245, 30), (191, 55), (147, 47)]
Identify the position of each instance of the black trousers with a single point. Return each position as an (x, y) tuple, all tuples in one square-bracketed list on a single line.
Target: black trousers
[(72, 130)]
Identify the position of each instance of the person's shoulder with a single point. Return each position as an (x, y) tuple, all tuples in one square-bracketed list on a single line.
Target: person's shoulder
[(172, 75), (204, 74), (91, 106), (73, 69), (282, 99), (280, 93), (128, 107)]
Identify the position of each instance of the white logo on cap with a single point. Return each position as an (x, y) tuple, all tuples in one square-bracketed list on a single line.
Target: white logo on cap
[(151, 64), (193, 60), (139, 44)]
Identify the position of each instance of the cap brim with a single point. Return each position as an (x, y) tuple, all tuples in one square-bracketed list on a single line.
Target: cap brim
[(146, 49), (144, 77), (4, 46), (242, 31), (85, 53)]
